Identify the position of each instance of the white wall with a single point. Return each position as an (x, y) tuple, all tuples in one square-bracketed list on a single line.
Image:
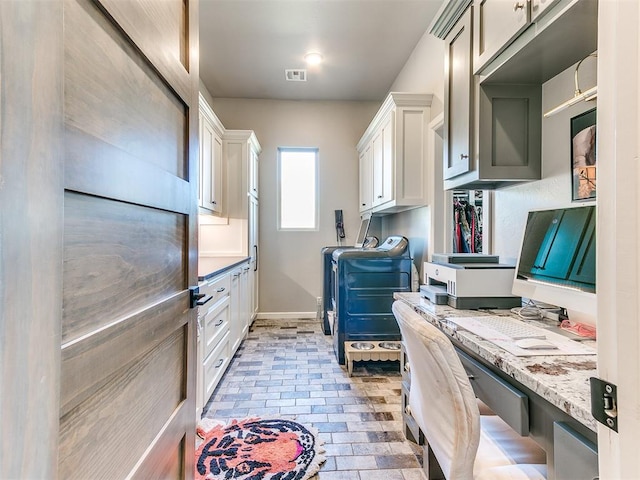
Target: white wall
[(423, 72), (290, 262)]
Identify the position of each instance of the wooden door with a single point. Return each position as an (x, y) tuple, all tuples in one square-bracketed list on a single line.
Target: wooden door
[(31, 201), (127, 389), (98, 237)]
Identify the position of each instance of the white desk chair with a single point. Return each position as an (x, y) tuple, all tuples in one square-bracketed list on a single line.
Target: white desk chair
[(465, 445)]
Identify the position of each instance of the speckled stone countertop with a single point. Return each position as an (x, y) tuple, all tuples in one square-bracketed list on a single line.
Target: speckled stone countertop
[(562, 380), (209, 267)]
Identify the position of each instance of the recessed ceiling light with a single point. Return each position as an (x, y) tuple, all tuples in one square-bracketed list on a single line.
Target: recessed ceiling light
[(313, 58)]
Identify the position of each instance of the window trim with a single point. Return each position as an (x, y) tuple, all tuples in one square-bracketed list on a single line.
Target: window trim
[(316, 226)]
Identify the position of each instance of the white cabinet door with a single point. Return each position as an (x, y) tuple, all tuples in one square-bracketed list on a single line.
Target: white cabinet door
[(254, 254), (245, 300), (211, 189), (235, 323), (217, 174), (383, 163), (253, 172), (366, 179)]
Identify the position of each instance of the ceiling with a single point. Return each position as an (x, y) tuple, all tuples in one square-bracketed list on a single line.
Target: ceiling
[(246, 45)]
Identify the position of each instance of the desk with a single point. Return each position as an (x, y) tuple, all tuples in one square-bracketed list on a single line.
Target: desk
[(557, 387)]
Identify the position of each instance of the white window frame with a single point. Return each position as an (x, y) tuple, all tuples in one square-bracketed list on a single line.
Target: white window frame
[(316, 212)]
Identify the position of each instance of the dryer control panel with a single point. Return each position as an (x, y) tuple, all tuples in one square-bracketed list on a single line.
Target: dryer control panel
[(395, 245)]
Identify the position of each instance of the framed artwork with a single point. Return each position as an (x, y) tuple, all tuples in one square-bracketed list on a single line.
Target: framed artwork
[(583, 156)]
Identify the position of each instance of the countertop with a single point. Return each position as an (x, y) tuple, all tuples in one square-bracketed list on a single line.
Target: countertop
[(562, 380), (209, 267)]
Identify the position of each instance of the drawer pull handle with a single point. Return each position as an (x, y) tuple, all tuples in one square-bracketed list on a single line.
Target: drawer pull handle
[(220, 362), (220, 322), (407, 367), (518, 6), (220, 290), (471, 377), (204, 299), (463, 156)]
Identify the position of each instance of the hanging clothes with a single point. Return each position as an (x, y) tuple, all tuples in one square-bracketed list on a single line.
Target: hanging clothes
[(467, 237)]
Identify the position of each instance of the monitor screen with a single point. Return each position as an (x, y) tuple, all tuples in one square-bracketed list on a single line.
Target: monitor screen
[(362, 233), (557, 261)]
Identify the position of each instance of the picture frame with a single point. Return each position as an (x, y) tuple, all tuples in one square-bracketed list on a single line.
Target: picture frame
[(583, 156)]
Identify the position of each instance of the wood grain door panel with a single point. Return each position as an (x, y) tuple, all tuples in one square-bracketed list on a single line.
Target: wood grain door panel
[(114, 94), (118, 258), (121, 419), (127, 397)]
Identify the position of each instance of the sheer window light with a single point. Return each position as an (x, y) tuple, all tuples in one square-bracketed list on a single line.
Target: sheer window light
[(298, 188)]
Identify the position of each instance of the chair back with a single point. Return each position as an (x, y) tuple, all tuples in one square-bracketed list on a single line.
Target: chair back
[(441, 399)]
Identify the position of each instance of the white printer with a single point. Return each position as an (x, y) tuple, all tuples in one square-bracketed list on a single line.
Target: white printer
[(469, 281)]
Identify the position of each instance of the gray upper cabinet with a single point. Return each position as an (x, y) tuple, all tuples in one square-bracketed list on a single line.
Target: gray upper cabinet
[(496, 23), (498, 53), (458, 98)]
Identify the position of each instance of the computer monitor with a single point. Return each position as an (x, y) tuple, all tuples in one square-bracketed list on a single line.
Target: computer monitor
[(557, 261), (362, 232)]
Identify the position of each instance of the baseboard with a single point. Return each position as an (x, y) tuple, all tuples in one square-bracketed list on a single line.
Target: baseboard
[(285, 315)]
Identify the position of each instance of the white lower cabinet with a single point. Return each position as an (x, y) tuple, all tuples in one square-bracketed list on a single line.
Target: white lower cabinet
[(223, 322), (215, 365)]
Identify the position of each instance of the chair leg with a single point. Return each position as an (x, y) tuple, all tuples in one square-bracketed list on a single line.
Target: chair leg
[(430, 464)]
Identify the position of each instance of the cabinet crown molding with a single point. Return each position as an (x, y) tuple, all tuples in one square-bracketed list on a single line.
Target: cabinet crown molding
[(243, 136), (449, 13), (393, 100), (206, 109)]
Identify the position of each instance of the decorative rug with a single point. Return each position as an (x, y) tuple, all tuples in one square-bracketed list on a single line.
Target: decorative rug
[(257, 449)]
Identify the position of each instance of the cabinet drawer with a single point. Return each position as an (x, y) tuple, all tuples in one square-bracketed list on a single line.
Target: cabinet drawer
[(215, 324), (218, 288), (214, 366), (504, 399), (575, 457)]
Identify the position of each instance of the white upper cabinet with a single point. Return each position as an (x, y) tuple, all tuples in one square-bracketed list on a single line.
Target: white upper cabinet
[(392, 153), (211, 192), (366, 179)]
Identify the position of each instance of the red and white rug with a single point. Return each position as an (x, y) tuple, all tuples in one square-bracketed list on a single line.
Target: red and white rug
[(257, 449)]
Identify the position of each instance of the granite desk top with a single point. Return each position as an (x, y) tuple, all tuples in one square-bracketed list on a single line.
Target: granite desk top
[(209, 267), (562, 380)]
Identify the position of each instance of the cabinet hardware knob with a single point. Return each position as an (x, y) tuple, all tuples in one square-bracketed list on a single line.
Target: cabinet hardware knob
[(463, 156), (363, 204), (518, 6), (379, 196), (214, 202)]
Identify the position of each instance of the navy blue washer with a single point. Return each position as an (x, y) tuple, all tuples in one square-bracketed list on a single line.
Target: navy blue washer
[(363, 285)]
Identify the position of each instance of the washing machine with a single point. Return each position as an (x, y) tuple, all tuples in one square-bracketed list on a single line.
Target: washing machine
[(327, 280), (363, 283)]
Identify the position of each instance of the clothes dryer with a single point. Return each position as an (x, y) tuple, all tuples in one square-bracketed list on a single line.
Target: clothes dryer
[(363, 283)]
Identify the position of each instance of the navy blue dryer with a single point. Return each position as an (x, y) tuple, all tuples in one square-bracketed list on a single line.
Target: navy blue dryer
[(363, 285)]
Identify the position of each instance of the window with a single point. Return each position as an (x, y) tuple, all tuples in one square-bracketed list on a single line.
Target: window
[(298, 188)]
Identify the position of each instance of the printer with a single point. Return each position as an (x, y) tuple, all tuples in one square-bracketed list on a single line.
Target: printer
[(469, 281)]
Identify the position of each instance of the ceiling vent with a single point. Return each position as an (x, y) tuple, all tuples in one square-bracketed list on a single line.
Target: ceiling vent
[(296, 75)]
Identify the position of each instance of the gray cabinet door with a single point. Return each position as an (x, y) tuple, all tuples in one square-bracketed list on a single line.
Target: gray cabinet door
[(496, 23), (458, 98)]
